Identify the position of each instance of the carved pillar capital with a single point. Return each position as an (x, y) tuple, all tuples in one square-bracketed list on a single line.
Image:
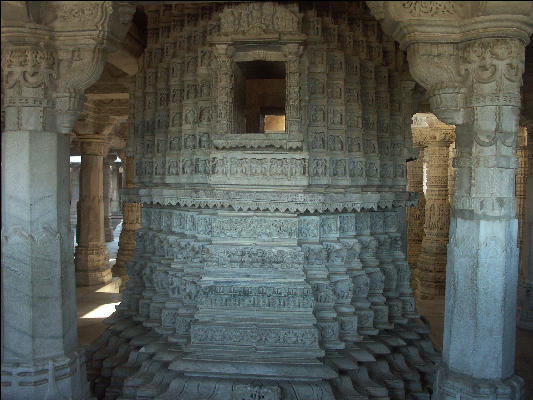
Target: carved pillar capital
[(47, 66), (429, 131), (93, 146), (449, 44), (29, 67), (223, 51), (292, 50)]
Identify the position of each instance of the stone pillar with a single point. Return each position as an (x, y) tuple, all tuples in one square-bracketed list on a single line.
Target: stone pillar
[(292, 109), (131, 222), (224, 89), (473, 82), (91, 256), (108, 230), (526, 251), (482, 266), (415, 216), (116, 184), (435, 137), (46, 69), (75, 180), (520, 188), (451, 173)]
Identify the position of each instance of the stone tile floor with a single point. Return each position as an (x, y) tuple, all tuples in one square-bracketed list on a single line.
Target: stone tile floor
[(95, 303)]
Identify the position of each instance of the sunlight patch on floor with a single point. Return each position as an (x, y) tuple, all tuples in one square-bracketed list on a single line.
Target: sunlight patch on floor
[(103, 311)]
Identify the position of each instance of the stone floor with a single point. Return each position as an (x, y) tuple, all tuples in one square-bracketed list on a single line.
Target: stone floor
[(95, 303)]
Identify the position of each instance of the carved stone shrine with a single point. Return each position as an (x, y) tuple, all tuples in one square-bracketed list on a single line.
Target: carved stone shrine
[(268, 264)]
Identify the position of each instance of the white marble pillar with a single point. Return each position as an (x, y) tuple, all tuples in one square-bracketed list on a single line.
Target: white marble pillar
[(435, 137), (473, 81), (116, 184), (108, 230), (91, 256), (130, 224), (46, 69), (415, 216), (482, 267), (75, 195)]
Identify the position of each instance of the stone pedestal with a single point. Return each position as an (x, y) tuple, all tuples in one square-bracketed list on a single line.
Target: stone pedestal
[(91, 256), (435, 137), (415, 216), (108, 230)]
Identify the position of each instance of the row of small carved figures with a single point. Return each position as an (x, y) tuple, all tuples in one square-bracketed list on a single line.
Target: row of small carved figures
[(285, 168)]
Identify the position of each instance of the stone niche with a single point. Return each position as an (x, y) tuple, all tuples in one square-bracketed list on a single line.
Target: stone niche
[(268, 265)]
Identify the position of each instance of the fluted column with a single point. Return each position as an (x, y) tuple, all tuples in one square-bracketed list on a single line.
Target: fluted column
[(436, 137), (131, 222), (415, 216), (108, 231), (91, 256)]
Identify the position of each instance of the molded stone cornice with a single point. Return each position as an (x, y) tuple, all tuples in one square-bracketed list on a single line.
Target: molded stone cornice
[(411, 22), (427, 129), (270, 201)]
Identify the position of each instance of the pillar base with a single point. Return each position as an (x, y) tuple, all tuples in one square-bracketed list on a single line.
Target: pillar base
[(451, 385), (62, 377), (92, 265)]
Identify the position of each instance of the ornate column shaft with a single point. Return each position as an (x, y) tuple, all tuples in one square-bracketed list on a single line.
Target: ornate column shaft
[(91, 256), (224, 89), (473, 78), (75, 179), (108, 230), (436, 137), (131, 222), (293, 53), (46, 69), (415, 216)]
